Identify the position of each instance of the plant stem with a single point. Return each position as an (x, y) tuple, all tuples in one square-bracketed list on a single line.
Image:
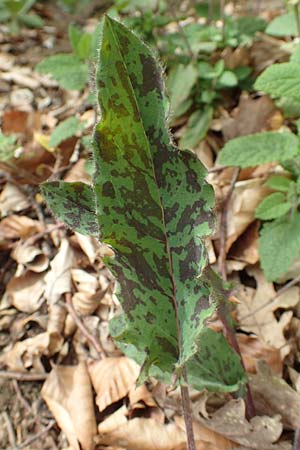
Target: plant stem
[(187, 413)]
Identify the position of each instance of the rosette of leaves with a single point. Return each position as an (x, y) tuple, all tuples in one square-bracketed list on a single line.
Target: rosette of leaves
[(16, 13), (149, 201)]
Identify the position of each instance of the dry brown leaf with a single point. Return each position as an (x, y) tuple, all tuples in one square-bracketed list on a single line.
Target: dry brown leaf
[(26, 354), (141, 394), (89, 245), (253, 350), (245, 248), (26, 292), (230, 421), (263, 322), (148, 434), (68, 394), (58, 279), (272, 395), (12, 199), (56, 318), (85, 300), (250, 116), (112, 379), (78, 173), (241, 209), (30, 256), (18, 227)]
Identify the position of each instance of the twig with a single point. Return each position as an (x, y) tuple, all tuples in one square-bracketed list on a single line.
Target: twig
[(38, 435), (223, 224), (296, 443), (71, 310), (32, 239), (10, 431), (187, 412), (20, 396), (269, 302), (20, 376), (222, 17)]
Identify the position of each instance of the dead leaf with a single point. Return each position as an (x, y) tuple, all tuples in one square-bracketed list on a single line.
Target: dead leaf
[(253, 350), (78, 173), (31, 257), (140, 394), (245, 198), (250, 116), (245, 248), (18, 227), (68, 394), (26, 292), (26, 354), (85, 300), (148, 434), (112, 379), (12, 199), (272, 395), (58, 279), (230, 422), (263, 322)]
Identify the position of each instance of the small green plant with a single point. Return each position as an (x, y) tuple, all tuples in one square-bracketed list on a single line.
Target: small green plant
[(16, 13), (149, 201), (279, 241), (8, 146), (72, 70)]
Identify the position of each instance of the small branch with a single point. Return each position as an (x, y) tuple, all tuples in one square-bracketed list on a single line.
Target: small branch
[(20, 376), (71, 310), (223, 224), (296, 443), (10, 431), (38, 435), (222, 17), (183, 35), (187, 413)]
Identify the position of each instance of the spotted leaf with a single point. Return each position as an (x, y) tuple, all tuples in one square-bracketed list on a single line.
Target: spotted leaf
[(153, 207), (74, 204)]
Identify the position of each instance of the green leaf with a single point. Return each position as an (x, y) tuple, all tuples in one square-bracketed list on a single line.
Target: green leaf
[(260, 148), (278, 183), (216, 367), (31, 20), (64, 130), (295, 57), (75, 35), (283, 26), (228, 79), (197, 127), (7, 146), (68, 70), (273, 206), (180, 83), (279, 245), (280, 80), (84, 46), (153, 207), (73, 204)]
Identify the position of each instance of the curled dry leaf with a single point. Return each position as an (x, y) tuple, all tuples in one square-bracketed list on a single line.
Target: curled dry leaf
[(258, 433), (58, 279), (26, 354), (89, 245), (68, 394), (112, 379), (85, 300), (272, 395), (56, 318), (254, 350), (263, 322), (31, 257), (148, 434), (18, 227), (26, 292), (140, 394), (12, 199)]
